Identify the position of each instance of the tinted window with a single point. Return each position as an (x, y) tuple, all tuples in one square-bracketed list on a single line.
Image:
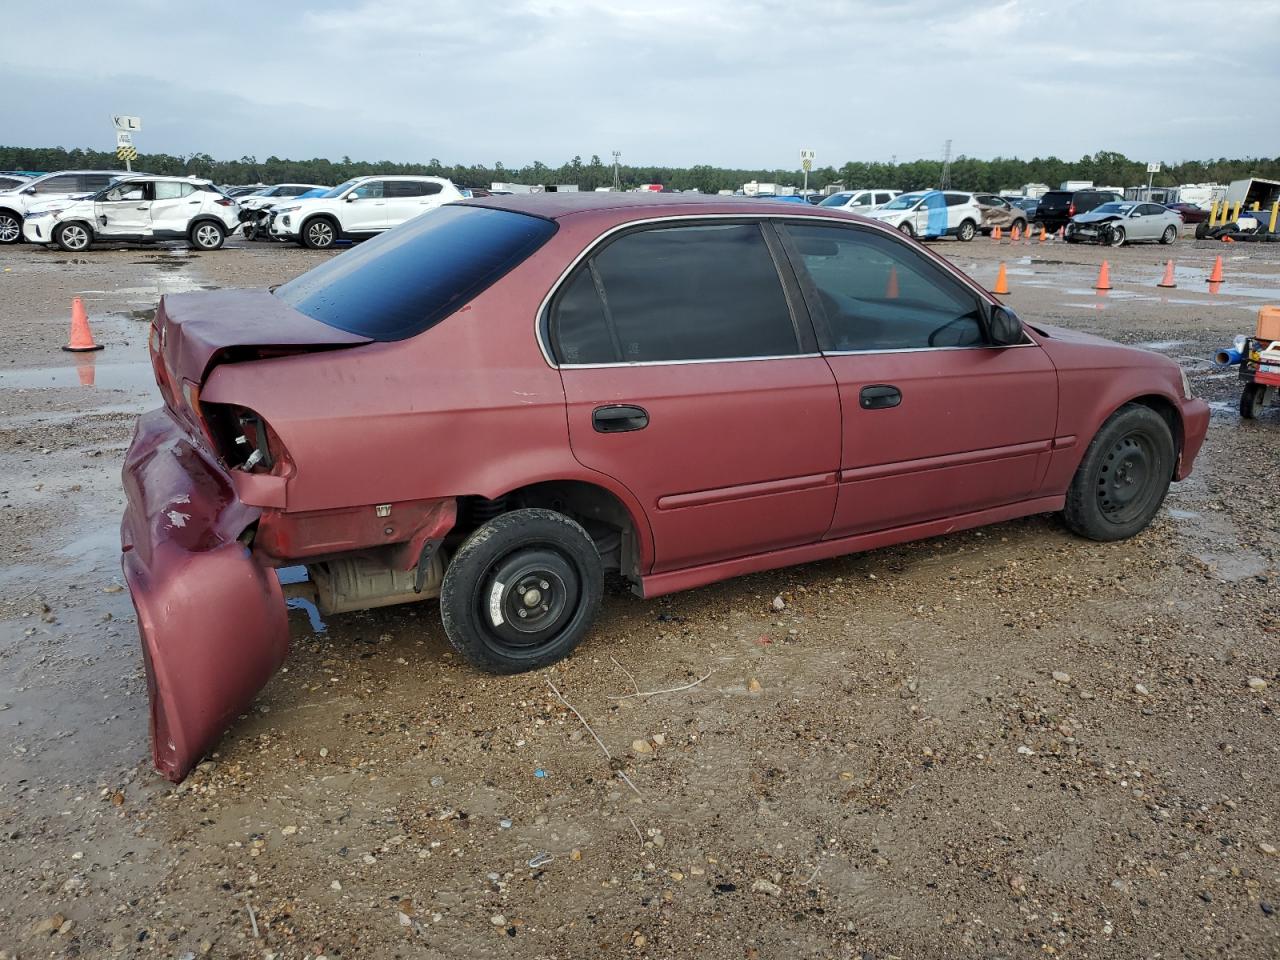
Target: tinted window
[(404, 281), (582, 330), (371, 190), (429, 188), (956, 199), (67, 183), (403, 188), (879, 294), (95, 181), (836, 200), (700, 292), (883, 197)]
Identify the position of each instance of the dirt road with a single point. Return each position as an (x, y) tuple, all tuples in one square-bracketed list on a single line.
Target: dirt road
[(1005, 743)]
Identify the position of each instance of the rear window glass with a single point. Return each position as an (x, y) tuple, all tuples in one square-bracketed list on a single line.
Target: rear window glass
[(410, 278)]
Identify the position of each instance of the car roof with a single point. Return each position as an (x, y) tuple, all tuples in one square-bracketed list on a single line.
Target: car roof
[(636, 206), (400, 176), (160, 176)]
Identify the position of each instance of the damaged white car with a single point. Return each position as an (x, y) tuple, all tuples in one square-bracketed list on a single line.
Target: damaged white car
[(1125, 221)]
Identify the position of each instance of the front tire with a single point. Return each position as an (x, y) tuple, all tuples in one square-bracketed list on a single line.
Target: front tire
[(906, 229), (967, 231), (1170, 234), (522, 591), (10, 227), (1253, 398), (207, 235), (1124, 476), (73, 237), (320, 233), (1117, 236)]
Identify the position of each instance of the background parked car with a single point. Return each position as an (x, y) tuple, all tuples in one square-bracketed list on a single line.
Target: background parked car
[(1125, 221), (137, 210), (9, 181), (859, 201), (255, 207), (1028, 205), (1057, 207), (361, 207), (999, 212), (1189, 212), (15, 203), (932, 213)]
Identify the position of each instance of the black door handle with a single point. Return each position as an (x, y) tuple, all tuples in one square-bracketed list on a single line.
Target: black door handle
[(619, 419), (879, 396)]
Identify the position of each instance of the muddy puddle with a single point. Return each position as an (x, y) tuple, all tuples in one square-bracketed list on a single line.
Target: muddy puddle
[(85, 372)]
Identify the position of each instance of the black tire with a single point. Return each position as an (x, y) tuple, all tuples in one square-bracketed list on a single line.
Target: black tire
[(1202, 230), (906, 229), (1170, 234), (319, 233), (206, 235), (73, 236), (967, 231), (1116, 237), (1124, 476), (537, 561), (1253, 398), (1020, 224), (10, 227)]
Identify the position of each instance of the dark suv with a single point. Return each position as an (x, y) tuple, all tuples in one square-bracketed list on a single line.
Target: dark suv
[(1057, 207)]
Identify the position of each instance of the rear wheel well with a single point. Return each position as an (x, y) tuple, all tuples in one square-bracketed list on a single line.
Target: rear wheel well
[(1169, 413), (601, 514)]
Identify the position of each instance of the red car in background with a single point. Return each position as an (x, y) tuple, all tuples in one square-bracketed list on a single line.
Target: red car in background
[(1190, 212), (501, 400)]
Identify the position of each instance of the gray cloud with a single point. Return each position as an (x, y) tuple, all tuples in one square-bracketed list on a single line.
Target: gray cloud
[(665, 82)]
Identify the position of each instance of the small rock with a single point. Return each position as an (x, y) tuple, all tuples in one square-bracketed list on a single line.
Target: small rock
[(753, 686), (766, 887), (1140, 690), (575, 854), (206, 946), (1267, 848), (638, 939), (659, 739), (1257, 684), (336, 885), (1018, 884), (48, 925), (112, 588), (498, 920), (289, 830), (779, 604), (641, 746), (1061, 676), (1026, 751), (437, 781), (324, 751)]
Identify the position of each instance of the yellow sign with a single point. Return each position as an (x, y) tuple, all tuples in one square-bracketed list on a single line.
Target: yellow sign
[(127, 153)]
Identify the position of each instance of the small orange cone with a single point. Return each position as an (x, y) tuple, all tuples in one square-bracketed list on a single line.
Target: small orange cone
[(891, 288), (1227, 238), (81, 336), (1015, 235), (1168, 276), (995, 234), (1104, 277), (1044, 234), (1216, 276), (1002, 281)]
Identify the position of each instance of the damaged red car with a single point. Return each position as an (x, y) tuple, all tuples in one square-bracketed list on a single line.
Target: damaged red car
[(500, 401)]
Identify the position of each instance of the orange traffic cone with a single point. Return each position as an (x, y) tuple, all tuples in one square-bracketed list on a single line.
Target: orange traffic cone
[(995, 234), (1044, 234), (1016, 235), (1104, 277), (1216, 276), (1168, 276), (1002, 281), (81, 336), (891, 288), (1227, 238)]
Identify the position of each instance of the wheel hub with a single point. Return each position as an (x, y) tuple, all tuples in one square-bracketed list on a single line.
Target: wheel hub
[(530, 596), (1125, 479)]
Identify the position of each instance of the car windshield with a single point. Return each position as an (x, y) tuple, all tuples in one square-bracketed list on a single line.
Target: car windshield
[(340, 189), (1114, 208), (410, 278), (836, 200), (904, 202)]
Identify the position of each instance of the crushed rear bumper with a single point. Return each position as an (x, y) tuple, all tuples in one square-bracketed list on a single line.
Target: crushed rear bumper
[(212, 620)]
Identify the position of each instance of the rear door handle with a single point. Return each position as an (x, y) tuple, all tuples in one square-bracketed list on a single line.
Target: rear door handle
[(620, 418), (879, 396)]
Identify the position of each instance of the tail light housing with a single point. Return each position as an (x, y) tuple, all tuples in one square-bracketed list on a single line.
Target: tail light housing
[(242, 438), (225, 202), (1071, 209)]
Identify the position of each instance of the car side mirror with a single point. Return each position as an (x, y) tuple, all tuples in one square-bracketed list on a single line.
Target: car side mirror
[(1003, 327), (30, 191), (351, 196)]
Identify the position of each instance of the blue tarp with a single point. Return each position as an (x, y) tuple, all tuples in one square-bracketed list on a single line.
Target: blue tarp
[(936, 204)]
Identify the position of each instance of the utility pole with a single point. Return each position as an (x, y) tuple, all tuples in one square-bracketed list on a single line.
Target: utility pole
[(946, 166), (617, 185)]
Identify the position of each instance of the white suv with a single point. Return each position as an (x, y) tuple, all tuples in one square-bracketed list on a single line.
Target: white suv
[(359, 208), (15, 203), (270, 196), (859, 201), (137, 210), (932, 213)]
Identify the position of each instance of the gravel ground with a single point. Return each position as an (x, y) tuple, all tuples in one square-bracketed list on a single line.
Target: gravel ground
[(1003, 743)]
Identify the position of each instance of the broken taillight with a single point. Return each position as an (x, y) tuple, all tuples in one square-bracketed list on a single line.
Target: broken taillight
[(241, 437), (225, 202), (1071, 210)]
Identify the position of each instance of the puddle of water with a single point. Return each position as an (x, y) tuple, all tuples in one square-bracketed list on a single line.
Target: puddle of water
[(298, 574), (84, 373), (1162, 344)]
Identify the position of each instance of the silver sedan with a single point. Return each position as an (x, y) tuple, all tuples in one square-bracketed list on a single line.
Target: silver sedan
[(1125, 221)]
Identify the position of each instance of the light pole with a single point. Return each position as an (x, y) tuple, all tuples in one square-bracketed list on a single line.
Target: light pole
[(617, 185)]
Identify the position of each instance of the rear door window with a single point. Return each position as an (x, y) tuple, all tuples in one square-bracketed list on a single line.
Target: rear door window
[(879, 294), (403, 188), (696, 292), (67, 183)]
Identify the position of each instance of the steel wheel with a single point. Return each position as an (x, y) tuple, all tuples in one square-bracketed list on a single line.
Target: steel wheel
[(10, 228), (207, 236), (73, 237), (1124, 487), (319, 234)]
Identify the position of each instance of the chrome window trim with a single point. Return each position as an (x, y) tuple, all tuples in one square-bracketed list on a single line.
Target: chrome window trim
[(675, 363), (980, 346)]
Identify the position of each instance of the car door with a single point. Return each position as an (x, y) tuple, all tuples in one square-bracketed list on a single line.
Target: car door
[(174, 206), (364, 208), (935, 422), (692, 377), (124, 210)]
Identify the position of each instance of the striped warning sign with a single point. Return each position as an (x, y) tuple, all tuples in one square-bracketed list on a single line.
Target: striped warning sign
[(127, 153)]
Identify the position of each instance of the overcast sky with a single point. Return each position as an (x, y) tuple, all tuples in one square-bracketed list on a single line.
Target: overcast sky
[(672, 82)]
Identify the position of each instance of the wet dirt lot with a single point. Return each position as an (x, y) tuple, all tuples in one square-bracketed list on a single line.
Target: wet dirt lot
[(1004, 743)]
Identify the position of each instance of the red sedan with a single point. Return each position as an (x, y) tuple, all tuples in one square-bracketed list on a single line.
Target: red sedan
[(1190, 212), (501, 400)]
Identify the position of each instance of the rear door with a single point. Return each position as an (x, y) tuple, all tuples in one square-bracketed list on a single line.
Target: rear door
[(405, 200), (935, 422), (174, 205), (692, 377)]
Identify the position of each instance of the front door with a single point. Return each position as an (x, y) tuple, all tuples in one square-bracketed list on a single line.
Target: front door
[(124, 210), (936, 423), (365, 209), (692, 378)]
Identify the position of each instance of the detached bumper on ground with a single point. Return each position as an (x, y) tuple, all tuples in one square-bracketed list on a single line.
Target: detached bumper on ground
[(213, 622)]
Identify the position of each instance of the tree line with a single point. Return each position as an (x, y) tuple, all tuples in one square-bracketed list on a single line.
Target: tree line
[(967, 173)]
